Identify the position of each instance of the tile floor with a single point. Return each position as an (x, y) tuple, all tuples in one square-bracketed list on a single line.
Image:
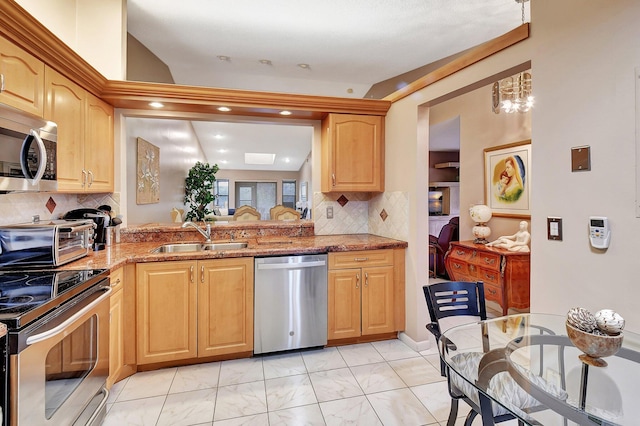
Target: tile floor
[(380, 383)]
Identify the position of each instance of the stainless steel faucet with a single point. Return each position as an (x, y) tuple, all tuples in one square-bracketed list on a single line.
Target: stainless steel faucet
[(206, 233)]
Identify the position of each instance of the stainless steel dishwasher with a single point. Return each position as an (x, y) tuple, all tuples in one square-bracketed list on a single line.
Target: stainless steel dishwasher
[(290, 302)]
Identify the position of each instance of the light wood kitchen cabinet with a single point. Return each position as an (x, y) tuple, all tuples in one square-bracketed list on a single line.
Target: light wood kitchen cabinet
[(363, 295), (225, 306), (194, 309), (352, 153), (21, 79), (166, 300), (85, 135), (116, 327)]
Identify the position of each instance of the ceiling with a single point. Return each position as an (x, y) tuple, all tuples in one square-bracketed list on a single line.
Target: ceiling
[(348, 47)]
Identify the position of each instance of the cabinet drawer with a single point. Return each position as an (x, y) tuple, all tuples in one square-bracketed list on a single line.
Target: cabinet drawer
[(487, 260), (493, 293), (117, 278), (458, 267), (462, 253), (488, 276), (359, 259)]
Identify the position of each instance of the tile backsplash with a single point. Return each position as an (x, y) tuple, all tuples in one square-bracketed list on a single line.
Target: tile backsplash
[(20, 207), (361, 214)]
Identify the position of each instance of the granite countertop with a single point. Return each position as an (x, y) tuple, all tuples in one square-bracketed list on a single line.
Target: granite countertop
[(120, 254)]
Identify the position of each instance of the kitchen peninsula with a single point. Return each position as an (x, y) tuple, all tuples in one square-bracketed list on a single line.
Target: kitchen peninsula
[(178, 308)]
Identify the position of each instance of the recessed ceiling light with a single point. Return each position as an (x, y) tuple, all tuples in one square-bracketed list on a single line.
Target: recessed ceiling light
[(218, 136), (285, 112), (223, 161), (259, 158), (222, 151), (156, 104), (224, 109), (304, 66), (265, 62), (286, 160), (224, 58)]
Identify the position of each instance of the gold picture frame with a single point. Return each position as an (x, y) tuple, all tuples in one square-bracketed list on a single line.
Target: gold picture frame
[(507, 179)]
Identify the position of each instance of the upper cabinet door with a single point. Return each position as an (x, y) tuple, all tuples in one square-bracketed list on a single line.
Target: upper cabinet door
[(65, 106), (352, 153), (21, 79), (98, 151)]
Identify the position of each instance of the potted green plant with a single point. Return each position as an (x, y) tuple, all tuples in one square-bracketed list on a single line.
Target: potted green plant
[(198, 191)]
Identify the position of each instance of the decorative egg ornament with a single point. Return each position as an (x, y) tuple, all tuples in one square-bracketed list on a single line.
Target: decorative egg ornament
[(609, 321)]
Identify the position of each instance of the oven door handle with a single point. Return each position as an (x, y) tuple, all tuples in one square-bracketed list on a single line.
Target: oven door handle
[(61, 327)]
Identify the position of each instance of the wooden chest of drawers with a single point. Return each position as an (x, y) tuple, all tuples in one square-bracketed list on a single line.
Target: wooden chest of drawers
[(505, 274)]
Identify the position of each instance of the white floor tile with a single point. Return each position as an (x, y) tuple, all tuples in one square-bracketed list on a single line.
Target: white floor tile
[(377, 377), (257, 420), (194, 377), (307, 415), (416, 371), (323, 359), (400, 407), (435, 396), (188, 408), (240, 400), (394, 349), (147, 384), (288, 392), (355, 411), (115, 390), (335, 384), (361, 354), (241, 371), (289, 364), (139, 412)]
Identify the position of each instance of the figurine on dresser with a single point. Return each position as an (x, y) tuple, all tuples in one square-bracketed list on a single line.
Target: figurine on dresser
[(518, 242)]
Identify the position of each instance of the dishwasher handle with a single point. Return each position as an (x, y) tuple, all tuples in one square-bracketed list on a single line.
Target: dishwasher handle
[(291, 265)]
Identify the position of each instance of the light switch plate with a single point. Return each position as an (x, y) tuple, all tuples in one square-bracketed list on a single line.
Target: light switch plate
[(554, 228), (329, 212)]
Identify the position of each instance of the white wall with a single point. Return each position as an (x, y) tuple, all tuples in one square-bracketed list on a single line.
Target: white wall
[(179, 151), (583, 59), (407, 142), (480, 128), (95, 29)]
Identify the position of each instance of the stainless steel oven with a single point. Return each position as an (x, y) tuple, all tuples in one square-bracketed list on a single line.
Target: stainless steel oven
[(59, 350)]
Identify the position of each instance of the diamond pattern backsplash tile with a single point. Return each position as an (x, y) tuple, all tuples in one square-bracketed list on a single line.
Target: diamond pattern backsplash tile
[(51, 205), (352, 218), (343, 200), (384, 215), (396, 207)]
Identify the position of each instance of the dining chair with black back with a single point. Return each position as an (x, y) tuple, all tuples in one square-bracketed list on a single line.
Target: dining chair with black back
[(457, 298)]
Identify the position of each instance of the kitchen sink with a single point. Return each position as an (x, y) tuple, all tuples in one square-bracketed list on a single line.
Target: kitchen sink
[(191, 247)]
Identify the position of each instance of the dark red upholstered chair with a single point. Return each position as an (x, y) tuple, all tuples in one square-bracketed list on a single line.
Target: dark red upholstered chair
[(448, 233)]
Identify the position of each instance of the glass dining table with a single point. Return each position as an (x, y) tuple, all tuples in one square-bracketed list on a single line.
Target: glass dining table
[(534, 352)]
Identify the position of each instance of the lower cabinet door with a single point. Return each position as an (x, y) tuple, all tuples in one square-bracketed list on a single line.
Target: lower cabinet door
[(166, 300), (377, 300), (225, 306), (344, 304), (116, 337)]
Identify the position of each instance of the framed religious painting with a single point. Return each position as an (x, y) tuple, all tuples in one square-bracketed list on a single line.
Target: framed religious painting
[(507, 180)]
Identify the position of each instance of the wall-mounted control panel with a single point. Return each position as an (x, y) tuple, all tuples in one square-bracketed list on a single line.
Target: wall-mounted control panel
[(599, 232)]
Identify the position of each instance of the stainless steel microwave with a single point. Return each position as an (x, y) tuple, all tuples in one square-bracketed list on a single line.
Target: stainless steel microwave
[(28, 152)]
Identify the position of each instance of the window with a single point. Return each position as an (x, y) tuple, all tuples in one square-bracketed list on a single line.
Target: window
[(261, 195), (221, 190), (289, 193)]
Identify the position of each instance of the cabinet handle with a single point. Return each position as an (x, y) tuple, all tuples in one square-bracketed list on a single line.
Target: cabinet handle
[(84, 177), (460, 252), (90, 178), (360, 259), (1, 83), (490, 277), (333, 179), (457, 265), (366, 279), (489, 261), (490, 291), (116, 283), (191, 273), (202, 274), (357, 280)]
